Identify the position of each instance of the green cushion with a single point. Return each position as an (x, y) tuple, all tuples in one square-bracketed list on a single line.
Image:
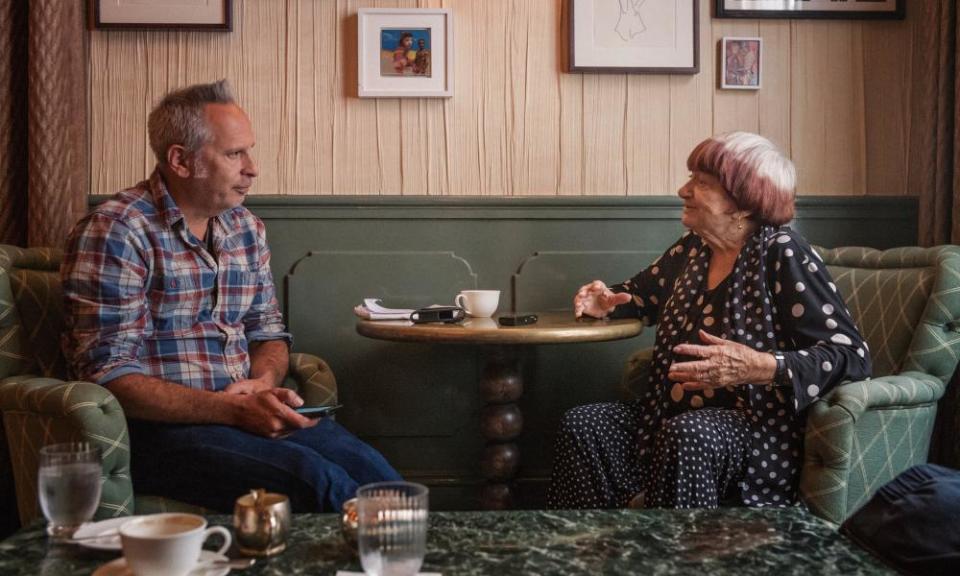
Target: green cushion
[(887, 305), (38, 296), (906, 302)]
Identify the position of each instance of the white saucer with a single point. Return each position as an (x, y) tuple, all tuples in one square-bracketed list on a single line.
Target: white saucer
[(119, 567), (110, 539)]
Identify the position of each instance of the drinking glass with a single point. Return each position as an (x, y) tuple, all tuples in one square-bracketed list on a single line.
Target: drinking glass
[(69, 486), (392, 527)]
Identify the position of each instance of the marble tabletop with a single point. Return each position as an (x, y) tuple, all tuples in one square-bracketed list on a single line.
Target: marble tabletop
[(729, 541)]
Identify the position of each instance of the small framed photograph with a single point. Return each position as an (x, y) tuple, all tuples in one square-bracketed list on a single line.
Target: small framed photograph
[(837, 9), (639, 36), (741, 63), (162, 14), (405, 53)]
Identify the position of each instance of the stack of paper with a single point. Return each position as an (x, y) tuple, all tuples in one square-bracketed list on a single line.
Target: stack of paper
[(372, 309)]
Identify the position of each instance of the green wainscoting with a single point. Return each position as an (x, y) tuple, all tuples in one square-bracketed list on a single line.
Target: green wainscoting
[(419, 404)]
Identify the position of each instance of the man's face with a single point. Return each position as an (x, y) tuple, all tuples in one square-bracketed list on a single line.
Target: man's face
[(223, 169)]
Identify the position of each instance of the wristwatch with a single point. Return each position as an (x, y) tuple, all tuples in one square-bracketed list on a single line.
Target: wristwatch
[(780, 376)]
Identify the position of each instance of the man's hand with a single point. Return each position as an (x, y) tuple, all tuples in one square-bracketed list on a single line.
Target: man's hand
[(595, 299), (249, 386), (270, 413), (722, 363)]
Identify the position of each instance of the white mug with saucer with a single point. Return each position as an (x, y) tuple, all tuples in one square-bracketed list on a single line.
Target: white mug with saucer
[(478, 303), (167, 544)]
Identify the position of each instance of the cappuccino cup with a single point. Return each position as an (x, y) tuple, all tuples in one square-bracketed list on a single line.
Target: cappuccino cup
[(478, 303), (167, 544)]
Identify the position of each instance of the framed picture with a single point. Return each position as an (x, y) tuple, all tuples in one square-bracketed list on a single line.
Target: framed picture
[(741, 63), (162, 14), (890, 9), (642, 36), (405, 53)]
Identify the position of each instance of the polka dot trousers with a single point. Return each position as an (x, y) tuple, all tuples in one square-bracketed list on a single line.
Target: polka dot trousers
[(601, 458)]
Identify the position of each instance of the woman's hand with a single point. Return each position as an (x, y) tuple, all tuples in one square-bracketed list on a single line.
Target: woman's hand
[(595, 299), (722, 363)]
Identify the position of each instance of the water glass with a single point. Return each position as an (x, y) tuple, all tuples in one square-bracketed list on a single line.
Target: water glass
[(69, 486), (392, 527)]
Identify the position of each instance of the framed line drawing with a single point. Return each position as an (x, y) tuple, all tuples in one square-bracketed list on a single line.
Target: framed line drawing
[(405, 53), (741, 63), (634, 36), (838, 9), (214, 15)]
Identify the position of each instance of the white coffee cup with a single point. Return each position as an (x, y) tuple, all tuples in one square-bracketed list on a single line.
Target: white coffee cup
[(167, 544), (478, 303)]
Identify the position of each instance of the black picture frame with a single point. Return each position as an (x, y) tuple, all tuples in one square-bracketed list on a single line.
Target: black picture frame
[(97, 22), (723, 11), (574, 66)]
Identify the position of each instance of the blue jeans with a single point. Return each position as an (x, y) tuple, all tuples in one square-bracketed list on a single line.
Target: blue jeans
[(210, 465)]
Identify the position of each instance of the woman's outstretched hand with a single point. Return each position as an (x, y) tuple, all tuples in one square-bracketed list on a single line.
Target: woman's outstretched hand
[(721, 363), (595, 299)]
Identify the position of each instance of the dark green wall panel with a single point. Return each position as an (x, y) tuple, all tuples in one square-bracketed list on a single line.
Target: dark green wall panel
[(419, 403)]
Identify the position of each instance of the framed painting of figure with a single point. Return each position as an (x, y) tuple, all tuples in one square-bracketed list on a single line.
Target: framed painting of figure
[(741, 63), (404, 53)]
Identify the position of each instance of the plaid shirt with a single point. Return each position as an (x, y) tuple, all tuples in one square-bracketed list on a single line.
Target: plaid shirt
[(144, 296)]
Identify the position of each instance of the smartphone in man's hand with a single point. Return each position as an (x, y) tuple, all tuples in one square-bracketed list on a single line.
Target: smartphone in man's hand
[(318, 411)]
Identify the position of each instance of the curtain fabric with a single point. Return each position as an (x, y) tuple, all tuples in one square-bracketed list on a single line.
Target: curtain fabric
[(934, 168), (934, 138), (43, 120)]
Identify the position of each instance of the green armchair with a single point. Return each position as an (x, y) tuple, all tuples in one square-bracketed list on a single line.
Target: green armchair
[(861, 435), (40, 407)]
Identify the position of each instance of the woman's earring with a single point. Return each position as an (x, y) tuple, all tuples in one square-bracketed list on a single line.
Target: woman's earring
[(739, 221)]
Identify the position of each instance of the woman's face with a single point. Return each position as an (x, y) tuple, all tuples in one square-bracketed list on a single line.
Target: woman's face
[(706, 205)]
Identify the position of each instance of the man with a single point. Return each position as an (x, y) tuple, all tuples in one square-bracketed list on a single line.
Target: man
[(170, 304)]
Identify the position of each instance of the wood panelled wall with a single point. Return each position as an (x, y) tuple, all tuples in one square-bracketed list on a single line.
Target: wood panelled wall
[(835, 97)]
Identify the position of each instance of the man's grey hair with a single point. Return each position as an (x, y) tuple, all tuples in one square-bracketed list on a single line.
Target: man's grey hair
[(179, 118)]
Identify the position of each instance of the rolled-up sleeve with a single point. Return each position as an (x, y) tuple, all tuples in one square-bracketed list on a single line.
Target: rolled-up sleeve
[(264, 321), (104, 276)]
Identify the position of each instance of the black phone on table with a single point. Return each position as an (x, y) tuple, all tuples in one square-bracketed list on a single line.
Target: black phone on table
[(517, 319)]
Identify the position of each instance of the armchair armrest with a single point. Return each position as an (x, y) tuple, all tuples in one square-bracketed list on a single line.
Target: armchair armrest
[(895, 391), (863, 434), (41, 411), (313, 379)]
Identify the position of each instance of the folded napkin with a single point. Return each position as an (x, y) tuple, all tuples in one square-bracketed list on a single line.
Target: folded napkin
[(372, 309)]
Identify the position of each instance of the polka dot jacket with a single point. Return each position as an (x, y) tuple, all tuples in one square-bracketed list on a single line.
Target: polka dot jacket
[(778, 297)]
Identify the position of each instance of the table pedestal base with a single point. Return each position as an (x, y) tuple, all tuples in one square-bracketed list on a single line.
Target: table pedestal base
[(501, 422)]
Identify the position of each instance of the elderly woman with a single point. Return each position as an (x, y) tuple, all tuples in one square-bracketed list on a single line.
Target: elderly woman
[(750, 331)]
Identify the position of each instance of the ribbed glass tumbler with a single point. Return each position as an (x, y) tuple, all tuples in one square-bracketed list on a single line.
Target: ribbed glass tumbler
[(392, 527)]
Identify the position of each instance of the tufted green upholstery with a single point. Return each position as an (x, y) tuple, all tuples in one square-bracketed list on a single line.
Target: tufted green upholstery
[(40, 408), (907, 304)]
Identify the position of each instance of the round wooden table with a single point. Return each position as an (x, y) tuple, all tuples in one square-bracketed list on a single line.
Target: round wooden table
[(501, 383)]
